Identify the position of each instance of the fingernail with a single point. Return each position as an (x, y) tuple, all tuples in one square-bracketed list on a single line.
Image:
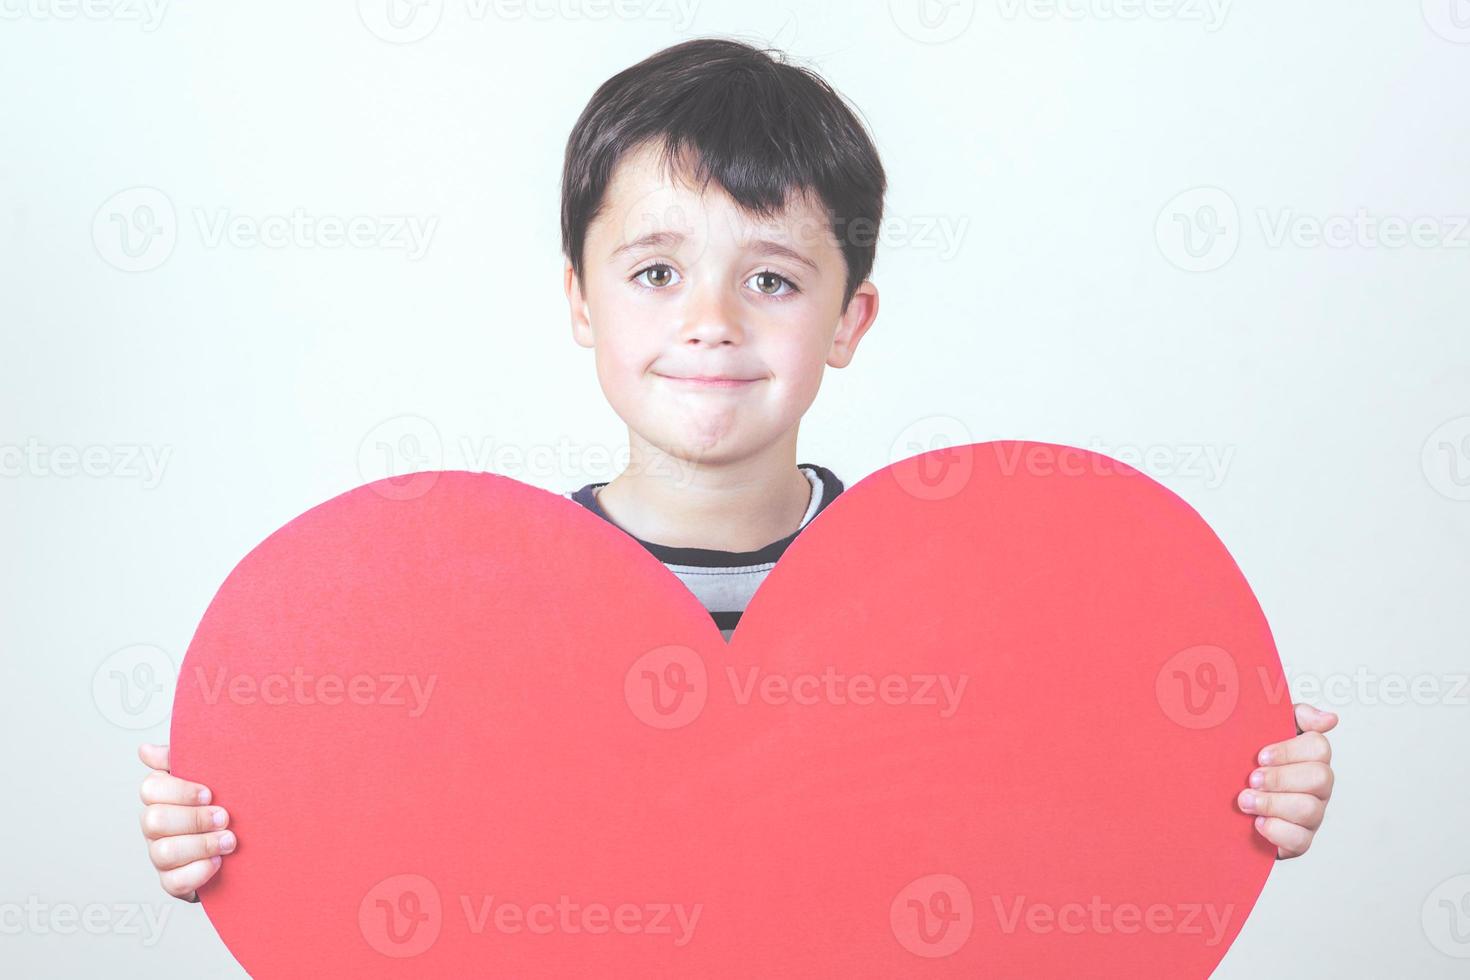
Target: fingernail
[(1258, 779), (219, 818), (214, 860), (1260, 823), (226, 842), (1247, 800), (203, 796), (1266, 756)]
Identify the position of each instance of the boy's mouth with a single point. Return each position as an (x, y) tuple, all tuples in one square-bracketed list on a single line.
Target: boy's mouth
[(709, 380)]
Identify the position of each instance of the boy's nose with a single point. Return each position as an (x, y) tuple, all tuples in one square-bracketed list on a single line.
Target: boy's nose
[(712, 319)]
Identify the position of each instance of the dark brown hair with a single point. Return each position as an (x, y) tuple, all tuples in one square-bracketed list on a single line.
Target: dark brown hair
[(761, 128)]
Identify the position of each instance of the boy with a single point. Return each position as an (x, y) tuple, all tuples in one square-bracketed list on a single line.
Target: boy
[(720, 210)]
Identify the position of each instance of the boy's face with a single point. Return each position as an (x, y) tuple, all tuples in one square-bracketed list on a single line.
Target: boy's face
[(679, 286)]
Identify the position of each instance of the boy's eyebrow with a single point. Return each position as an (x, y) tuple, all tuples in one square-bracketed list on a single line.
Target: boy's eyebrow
[(654, 239), (669, 239)]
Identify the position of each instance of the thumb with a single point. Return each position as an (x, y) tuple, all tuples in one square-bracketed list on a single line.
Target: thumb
[(154, 756), (1313, 719)]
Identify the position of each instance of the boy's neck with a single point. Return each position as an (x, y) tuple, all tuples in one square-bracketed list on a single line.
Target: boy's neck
[(738, 506)]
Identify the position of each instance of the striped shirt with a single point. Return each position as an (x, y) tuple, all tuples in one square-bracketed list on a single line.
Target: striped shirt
[(724, 581)]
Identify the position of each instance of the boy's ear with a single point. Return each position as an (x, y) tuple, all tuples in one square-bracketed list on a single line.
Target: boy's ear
[(581, 319), (861, 311)]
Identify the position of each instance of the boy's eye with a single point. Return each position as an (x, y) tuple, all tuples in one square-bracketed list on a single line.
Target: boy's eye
[(659, 276), (769, 283)]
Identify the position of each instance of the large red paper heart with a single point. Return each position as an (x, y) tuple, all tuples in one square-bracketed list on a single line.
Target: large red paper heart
[(988, 716)]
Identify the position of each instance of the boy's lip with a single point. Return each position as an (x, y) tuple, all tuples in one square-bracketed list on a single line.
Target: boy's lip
[(711, 380)]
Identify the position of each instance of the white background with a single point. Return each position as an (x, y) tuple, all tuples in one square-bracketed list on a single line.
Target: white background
[(1079, 157)]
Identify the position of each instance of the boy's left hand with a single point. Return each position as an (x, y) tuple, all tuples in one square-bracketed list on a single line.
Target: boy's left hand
[(1290, 789)]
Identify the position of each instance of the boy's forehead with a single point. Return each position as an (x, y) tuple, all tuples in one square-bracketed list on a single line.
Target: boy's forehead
[(643, 198)]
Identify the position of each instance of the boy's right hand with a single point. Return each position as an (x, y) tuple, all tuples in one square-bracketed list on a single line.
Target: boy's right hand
[(185, 835)]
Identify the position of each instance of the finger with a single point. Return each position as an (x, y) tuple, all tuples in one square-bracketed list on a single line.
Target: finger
[(160, 787), (1296, 777), (183, 882), (175, 852), (1302, 809), (1290, 839), (154, 756), (1306, 747), (1313, 719), (170, 820)]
